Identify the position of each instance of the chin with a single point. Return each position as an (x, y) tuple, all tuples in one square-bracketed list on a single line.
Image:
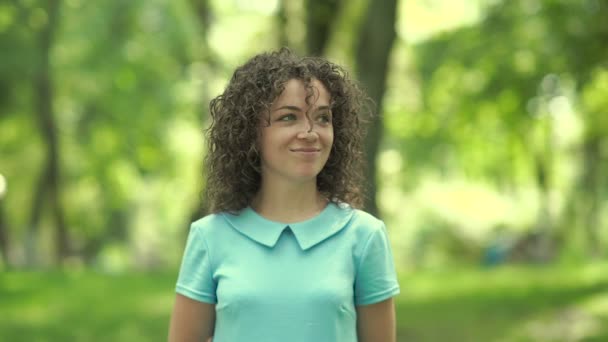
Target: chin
[(306, 175)]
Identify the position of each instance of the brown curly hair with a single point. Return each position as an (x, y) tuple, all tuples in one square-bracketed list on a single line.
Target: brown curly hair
[(232, 163)]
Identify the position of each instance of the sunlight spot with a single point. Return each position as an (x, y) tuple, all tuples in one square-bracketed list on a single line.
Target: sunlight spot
[(474, 208), (390, 162), (420, 20), (568, 127), (34, 315), (114, 259), (560, 105), (265, 7), (593, 273), (2, 186), (597, 305), (230, 36), (391, 199)]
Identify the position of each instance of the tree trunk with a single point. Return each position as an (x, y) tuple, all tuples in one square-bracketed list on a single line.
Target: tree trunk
[(4, 241), (591, 186), (49, 184), (281, 20), (543, 161), (31, 239), (203, 13), (377, 35), (544, 223), (320, 14)]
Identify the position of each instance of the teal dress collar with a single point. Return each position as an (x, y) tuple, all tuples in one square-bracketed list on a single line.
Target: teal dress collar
[(308, 233)]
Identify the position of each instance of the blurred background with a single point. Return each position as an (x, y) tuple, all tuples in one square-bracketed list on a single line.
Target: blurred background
[(489, 160)]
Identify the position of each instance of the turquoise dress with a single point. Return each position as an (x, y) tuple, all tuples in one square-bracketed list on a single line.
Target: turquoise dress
[(299, 282)]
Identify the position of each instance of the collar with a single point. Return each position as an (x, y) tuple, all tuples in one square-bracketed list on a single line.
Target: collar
[(308, 233)]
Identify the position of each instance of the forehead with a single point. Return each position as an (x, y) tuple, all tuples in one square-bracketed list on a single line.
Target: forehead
[(295, 93)]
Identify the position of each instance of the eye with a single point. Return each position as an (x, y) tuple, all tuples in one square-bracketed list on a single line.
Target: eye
[(287, 117), (324, 118)]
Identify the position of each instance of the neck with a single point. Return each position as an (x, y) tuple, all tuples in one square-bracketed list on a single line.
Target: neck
[(288, 202)]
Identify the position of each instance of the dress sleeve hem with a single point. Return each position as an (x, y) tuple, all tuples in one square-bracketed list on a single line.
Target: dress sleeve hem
[(378, 297), (196, 295)]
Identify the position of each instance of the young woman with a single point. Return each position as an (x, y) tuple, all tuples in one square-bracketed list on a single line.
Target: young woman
[(285, 255)]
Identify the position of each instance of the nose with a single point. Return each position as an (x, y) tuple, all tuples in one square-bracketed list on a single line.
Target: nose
[(308, 123), (309, 135), (307, 130)]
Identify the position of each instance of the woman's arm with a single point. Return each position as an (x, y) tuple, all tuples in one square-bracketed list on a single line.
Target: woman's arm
[(191, 320), (376, 322)]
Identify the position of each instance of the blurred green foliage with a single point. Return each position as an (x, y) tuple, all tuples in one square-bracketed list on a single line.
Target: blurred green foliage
[(494, 151), (495, 121)]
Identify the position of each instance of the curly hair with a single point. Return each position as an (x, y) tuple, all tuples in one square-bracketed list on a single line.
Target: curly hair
[(232, 161)]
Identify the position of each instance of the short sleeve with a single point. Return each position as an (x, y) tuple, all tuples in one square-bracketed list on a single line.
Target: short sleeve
[(376, 278), (195, 278)]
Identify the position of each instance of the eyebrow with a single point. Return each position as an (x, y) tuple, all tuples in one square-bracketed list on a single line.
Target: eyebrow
[(296, 108)]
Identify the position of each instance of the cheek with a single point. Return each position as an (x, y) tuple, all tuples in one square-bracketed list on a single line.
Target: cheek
[(264, 145), (329, 137)]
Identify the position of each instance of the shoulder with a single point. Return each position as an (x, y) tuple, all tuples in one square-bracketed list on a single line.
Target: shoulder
[(360, 226), (366, 219), (364, 223), (210, 225)]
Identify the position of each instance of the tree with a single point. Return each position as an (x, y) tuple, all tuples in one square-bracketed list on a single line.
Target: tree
[(203, 15), (376, 37), (319, 18), (49, 183), (499, 79), (4, 244)]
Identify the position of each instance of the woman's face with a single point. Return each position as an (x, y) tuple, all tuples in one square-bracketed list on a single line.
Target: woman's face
[(295, 146)]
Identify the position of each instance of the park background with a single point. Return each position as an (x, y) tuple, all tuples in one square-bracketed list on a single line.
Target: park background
[(488, 161)]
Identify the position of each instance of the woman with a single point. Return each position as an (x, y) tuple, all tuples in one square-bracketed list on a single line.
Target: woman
[(285, 256)]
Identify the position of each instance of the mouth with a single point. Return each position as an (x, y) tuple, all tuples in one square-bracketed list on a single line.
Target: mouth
[(306, 150)]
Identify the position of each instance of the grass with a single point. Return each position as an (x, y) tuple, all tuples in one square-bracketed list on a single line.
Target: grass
[(504, 304), (84, 307)]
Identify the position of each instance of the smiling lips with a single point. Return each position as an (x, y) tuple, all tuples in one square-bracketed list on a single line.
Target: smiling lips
[(306, 149), (307, 152)]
